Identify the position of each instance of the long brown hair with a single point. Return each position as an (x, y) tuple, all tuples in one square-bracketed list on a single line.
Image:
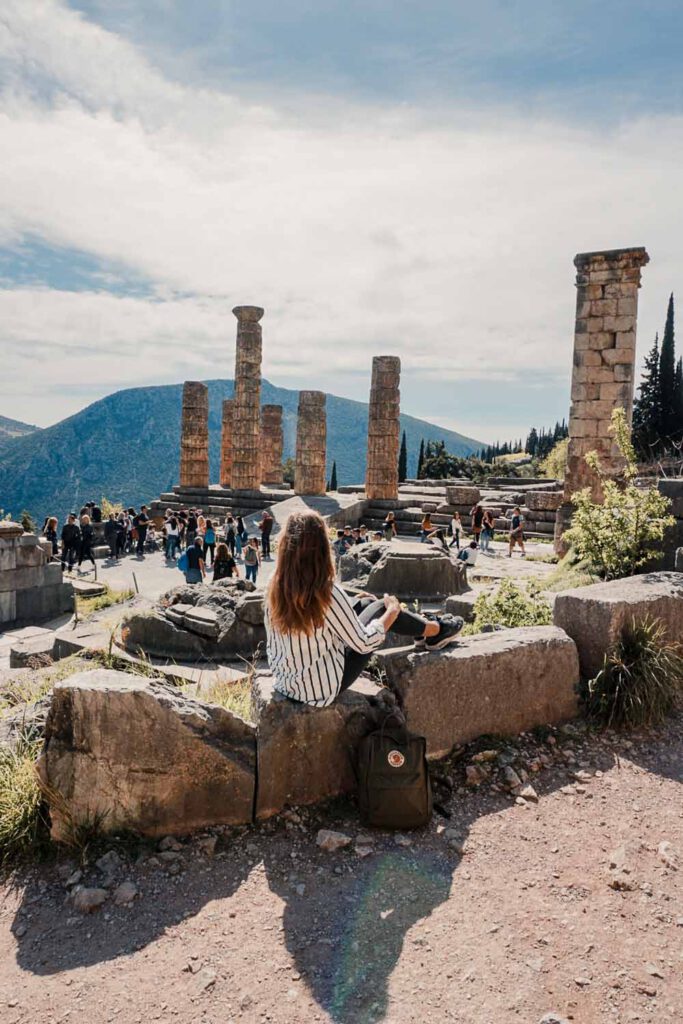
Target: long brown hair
[(300, 591)]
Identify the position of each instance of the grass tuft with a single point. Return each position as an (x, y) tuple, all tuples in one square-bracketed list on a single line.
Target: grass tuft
[(24, 829)]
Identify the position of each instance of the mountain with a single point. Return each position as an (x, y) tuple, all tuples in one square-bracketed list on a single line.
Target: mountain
[(13, 428), (126, 446)]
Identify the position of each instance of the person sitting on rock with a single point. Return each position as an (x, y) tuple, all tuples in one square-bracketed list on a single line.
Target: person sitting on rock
[(438, 537), (427, 527), (224, 565), (318, 640)]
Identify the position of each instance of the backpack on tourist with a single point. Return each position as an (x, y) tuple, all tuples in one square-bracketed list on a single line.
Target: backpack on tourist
[(394, 788)]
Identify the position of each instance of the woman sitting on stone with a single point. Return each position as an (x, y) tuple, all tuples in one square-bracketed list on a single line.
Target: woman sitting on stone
[(319, 640), (224, 565)]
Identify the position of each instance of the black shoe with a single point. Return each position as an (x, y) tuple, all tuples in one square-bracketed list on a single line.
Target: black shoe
[(448, 633)]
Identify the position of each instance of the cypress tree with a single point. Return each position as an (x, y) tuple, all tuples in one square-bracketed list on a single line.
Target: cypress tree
[(667, 371), (647, 410), (333, 478), (421, 459), (678, 399), (403, 460)]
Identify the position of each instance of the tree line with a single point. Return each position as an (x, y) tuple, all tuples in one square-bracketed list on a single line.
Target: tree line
[(658, 408)]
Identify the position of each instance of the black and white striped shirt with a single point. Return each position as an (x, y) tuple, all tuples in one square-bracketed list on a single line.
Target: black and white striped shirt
[(310, 668)]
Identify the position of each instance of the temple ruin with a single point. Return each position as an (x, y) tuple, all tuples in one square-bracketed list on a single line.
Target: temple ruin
[(381, 476), (271, 445), (194, 436), (246, 467), (227, 421), (311, 444), (607, 286)]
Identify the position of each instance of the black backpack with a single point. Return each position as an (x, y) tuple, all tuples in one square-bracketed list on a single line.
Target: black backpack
[(394, 788)]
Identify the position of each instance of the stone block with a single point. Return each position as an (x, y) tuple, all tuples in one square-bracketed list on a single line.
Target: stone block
[(30, 555), (679, 560), (144, 757), (498, 683), (595, 324), (33, 652), (546, 501), (463, 495), (8, 555), (305, 754), (604, 340), (594, 616), (611, 393), (37, 604), (623, 372), (8, 607), (417, 570), (462, 604), (21, 579)]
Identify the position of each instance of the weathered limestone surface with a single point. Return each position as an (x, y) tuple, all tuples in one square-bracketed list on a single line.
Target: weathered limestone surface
[(311, 444), (32, 588), (227, 421), (495, 683), (463, 494), (144, 757), (543, 501), (271, 444), (194, 435), (607, 286), (246, 467), (381, 476), (411, 571), (594, 616), (305, 753)]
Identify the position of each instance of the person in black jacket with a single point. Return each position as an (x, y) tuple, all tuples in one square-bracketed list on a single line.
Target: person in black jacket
[(87, 537), (71, 541), (141, 522), (50, 532), (111, 535)]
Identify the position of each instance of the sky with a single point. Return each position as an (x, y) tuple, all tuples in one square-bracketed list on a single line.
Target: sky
[(405, 178)]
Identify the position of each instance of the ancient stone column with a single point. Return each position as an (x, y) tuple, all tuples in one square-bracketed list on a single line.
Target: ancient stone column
[(246, 431), (194, 436), (381, 474), (607, 286), (311, 444), (271, 444), (227, 442)]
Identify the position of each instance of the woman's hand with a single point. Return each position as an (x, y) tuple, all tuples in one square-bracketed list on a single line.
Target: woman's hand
[(392, 603)]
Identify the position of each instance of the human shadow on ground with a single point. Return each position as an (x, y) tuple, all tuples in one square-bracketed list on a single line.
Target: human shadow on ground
[(345, 918)]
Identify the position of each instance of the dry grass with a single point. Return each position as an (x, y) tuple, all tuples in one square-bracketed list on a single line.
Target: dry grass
[(23, 815), (234, 696)]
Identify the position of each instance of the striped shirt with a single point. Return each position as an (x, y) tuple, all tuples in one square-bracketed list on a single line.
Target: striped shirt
[(310, 668)]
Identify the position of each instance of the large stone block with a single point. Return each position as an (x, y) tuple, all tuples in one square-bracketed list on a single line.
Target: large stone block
[(44, 602), (595, 616), (144, 757), (413, 570), (463, 495), (546, 501), (494, 683), (306, 754)]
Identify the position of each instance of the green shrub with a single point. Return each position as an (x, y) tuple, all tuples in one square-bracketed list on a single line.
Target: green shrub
[(619, 535), (554, 465), (23, 815), (511, 605), (641, 681)]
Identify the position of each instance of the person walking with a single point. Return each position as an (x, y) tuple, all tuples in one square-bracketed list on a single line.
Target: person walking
[(516, 531), (71, 541), (87, 537), (389, 528), (209, 540), (252, 560), (224, 566), (456, 530), (318, 639), (241, 536), (266, 528), (487, 527), (50, 533), (476, 518), (195, 569), (230, 534)]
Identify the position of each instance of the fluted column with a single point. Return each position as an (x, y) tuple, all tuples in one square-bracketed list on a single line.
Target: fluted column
[(194, 435), (246, 469), (381, 475), (607, 286), (311, 444), (271, 444), (227, 441)]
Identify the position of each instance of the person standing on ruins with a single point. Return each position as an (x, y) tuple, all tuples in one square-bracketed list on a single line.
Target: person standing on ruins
[(50, 533), (318, 640), (266, 528), (456, 530), (476, 519), (252, 560), (516, 531), (389, 528), (210, 539), (71, 541), (141, 522), (224, 566), (111, 533), (487, 527), (87, 537), (195, 569)]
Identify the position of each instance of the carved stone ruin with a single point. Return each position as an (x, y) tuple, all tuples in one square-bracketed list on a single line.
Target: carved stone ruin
[(311, 444), (246, 464), (194, 435), (607, 286), (227, 441), (271, 444), (381, 476)]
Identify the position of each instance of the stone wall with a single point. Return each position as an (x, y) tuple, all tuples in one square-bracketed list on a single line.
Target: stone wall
[(31, 585), (311, 444), (194, 435)]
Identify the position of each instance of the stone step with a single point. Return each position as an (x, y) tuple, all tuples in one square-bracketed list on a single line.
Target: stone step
[(88, 588), (32, 652)]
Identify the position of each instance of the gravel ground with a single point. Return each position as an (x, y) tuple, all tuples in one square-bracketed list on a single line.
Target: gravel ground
[(565, 901)]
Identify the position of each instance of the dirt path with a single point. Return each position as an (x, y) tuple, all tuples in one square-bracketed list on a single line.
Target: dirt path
[(530, 919)]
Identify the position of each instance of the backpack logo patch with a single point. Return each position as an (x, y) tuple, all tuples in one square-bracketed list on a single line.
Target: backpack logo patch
[(396, 759)]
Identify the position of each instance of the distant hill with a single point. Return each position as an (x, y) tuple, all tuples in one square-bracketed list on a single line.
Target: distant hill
[(13, 428), (126, 446)]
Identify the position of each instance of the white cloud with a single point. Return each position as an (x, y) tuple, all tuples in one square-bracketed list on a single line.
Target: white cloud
[(443, 236)]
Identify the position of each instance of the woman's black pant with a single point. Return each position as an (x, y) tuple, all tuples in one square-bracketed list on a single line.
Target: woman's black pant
[(367, 609), (86, 552), (230, 541), (212, 548)]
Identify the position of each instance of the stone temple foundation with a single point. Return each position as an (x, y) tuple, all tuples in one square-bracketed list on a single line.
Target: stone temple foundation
[(381, 476), (194, 436), (607, 286), (271, 445), (227, 420), (246, 463), (311, 444)]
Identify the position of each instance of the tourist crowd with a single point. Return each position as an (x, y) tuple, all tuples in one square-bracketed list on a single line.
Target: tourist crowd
[(124, 532), (202, 544)]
